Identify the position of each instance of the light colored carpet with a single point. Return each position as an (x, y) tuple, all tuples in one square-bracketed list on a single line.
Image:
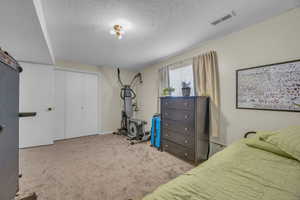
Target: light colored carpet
[(101, 167)]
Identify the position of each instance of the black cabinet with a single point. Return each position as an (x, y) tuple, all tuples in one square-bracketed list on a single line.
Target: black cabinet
[(185, 127), (9, 127)]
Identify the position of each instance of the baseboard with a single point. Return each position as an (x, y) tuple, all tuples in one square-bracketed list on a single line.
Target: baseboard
[(33, 146), (105, 132), (52, 142)]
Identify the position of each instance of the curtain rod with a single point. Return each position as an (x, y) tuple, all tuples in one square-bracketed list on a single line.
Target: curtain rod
[(175, 64), (189, 58)]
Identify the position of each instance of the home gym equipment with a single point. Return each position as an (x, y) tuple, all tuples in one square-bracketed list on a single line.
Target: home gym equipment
[(134, 129), (155, 131), (136, 132)]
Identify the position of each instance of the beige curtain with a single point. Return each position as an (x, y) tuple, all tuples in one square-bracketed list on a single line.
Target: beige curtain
[(163, 82), (206, 80)]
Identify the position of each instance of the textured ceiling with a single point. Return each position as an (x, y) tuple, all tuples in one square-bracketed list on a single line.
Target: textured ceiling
[(79, 30), (21, 33)]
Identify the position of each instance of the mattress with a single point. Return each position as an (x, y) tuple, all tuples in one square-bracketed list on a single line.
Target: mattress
[(239, 172)]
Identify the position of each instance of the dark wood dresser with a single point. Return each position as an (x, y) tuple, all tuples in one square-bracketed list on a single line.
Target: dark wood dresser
[(184, 127)]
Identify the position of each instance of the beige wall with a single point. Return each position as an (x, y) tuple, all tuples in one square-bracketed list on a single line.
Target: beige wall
[(275, 40), (109, 90)]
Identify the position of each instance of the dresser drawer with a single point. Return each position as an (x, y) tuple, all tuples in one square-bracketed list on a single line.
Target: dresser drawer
[(178, 150), (179, 138), (178, 115), (179, 103), (184, 128)]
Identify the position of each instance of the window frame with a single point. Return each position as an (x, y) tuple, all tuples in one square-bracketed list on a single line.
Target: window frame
[(181, 64)]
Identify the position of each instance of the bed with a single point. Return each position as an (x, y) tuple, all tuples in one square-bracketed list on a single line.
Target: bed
[(256, 168)]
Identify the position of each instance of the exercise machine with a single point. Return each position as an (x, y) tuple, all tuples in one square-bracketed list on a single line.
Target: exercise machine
[(134, 129)]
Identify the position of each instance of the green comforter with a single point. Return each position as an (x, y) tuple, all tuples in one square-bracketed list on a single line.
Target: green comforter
[(239, 172)]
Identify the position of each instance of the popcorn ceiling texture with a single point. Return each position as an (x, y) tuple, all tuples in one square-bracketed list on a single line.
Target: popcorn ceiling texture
[(154, 30)]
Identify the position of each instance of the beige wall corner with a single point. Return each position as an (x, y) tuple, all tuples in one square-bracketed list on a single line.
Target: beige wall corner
[(275, 40)]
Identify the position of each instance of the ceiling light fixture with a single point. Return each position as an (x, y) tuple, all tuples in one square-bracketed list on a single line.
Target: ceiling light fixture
[(117, 31)]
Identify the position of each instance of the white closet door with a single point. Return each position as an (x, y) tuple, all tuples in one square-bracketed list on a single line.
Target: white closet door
[(90, 104), (74, 104), (59, 110), (36, 95)]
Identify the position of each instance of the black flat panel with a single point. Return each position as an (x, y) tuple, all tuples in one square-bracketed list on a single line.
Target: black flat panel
[(9, 131)]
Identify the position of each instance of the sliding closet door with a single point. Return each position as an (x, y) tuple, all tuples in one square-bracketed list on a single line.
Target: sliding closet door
[(76, 100), (59, 100), (73, 105), (90, 104)]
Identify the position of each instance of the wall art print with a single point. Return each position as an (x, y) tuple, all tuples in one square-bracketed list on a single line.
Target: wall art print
[(270, 87)]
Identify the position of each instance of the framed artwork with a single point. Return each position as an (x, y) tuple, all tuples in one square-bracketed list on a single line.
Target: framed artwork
[(273, 87)]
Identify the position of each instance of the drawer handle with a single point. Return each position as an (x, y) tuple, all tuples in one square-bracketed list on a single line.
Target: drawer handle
[(186, 117), (185, 154), (186, 129), (186, 141)]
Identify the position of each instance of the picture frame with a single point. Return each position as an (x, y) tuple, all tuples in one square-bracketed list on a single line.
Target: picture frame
[(272, 87)]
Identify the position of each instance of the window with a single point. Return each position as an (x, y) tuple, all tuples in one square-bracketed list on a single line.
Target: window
[(179, 74)]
